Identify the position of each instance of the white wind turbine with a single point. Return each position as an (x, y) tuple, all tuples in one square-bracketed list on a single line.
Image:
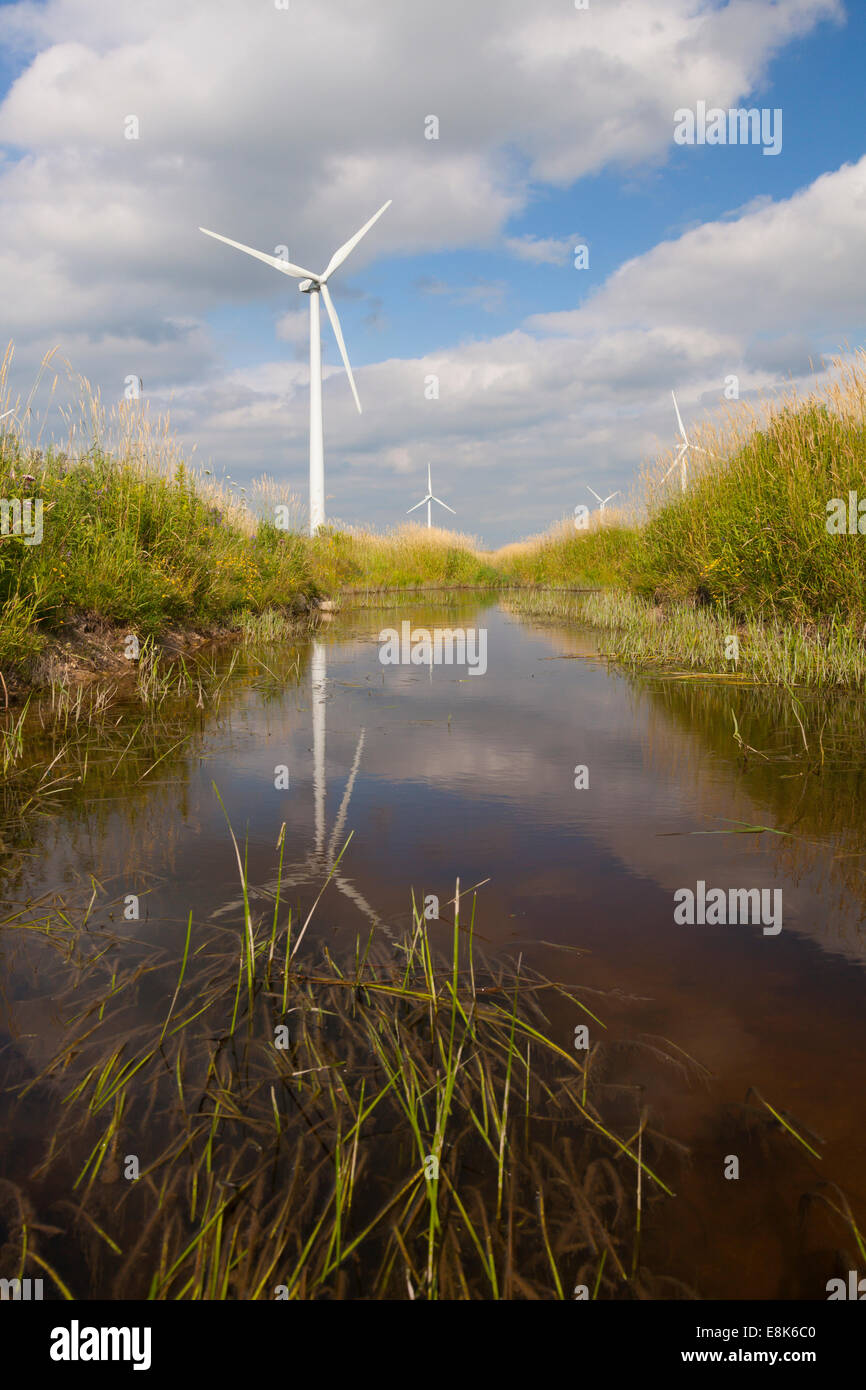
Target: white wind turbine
[(315, 285), (429, 499), (683, 450), (602, 501)]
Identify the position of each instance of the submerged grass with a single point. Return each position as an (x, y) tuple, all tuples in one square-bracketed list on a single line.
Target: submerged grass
[(400, 1123)]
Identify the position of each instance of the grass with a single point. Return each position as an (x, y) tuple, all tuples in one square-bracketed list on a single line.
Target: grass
[(749, 535), (354, 560), (137, 536), (396, 1122), (744, 552), (565, 557), (750, 532), (681, 638), (132, 534)]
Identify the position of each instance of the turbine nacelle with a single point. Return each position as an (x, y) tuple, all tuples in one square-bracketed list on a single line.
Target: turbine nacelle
[(307, 286)]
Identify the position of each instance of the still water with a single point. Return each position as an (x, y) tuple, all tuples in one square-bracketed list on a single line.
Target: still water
[(577, 800)]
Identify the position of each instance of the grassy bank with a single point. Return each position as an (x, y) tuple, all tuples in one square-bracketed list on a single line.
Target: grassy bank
[(681, 637), (745, 552), (134, 538), (749, 535), (564, 557), (354, 560), (120, 530), (133, 535)]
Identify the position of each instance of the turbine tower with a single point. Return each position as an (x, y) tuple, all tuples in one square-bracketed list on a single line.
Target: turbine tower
[(430, 499), (683, 450), (602, 501), (315, 285)]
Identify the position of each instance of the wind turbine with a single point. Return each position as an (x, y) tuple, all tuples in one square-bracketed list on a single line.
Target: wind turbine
[(430, 498), (683, 450), (602, 501), (315, 285)]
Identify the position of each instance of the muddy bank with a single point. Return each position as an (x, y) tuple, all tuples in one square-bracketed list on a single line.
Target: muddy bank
[(88, 648)]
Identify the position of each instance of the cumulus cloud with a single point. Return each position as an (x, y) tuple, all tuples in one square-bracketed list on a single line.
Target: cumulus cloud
[(290, 127)]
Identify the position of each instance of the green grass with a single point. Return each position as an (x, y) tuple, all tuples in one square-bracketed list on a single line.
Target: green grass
[(139, 549), (397, 1121), (681, 637), (565, 557), (749, 535), (354, 560)]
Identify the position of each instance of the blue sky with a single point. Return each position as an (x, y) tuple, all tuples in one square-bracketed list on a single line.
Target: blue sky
[(555, 126)]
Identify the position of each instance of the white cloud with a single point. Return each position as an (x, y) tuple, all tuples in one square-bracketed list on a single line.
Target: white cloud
[(290, 127), (584, 396)]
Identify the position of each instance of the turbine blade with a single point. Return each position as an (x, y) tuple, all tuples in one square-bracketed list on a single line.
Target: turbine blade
[(444, 504), (344, 805), (612, 495), (429, 482), (340, 255), (285, 266), (680, 420), (5, 413), (594, 493), (417, 505), (672, 467), (338, 334)]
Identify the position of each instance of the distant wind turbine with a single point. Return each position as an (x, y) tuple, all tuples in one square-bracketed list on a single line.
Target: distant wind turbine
[(602, 501), (683, 450), (430, 498), (315, 285)]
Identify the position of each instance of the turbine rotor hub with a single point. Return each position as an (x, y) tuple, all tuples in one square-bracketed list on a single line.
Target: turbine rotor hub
[(309, 286)]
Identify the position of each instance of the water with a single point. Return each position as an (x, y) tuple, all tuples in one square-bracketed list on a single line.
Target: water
[(435, 775)]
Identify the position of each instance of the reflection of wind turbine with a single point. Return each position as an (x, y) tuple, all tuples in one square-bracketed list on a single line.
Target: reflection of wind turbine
[(430, 498), (318, 865), (683, 450), (315, 285), (602, 502)]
